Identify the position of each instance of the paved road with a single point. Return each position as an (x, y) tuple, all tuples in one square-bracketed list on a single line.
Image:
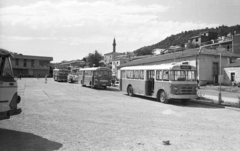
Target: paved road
[(63, 116)]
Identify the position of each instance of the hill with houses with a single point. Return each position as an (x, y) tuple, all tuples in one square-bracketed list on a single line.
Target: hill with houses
[(182, 38)]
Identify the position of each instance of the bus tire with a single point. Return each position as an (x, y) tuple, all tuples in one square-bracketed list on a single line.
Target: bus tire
[(105, 87), (162, 97), (130, 91)]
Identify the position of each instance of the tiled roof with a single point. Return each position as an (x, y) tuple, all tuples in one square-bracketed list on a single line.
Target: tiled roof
[(179, 54), (235, 64)]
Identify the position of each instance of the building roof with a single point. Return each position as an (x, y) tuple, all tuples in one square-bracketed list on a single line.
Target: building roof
[(32, 57), (4, 52), (179, 54), (235, 64)]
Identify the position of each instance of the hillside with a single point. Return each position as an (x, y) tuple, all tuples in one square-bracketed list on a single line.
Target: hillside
[(181, 38)]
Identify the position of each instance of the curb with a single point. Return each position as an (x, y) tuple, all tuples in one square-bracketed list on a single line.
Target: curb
[(224, 105), (207, 103)]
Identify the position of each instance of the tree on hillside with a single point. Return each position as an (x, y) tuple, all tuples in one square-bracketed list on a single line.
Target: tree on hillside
[(94, 59)]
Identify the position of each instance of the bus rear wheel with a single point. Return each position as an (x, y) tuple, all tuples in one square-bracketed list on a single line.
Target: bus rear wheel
[(130, 91), (162, 97)]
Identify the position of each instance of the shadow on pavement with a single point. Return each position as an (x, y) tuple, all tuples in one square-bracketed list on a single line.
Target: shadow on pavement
[(11, 140), (102, 89), (181, 104)]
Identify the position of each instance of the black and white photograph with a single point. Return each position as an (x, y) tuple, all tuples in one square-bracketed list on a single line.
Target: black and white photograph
[(119, 75)]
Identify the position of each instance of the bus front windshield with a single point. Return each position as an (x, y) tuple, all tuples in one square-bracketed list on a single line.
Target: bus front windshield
[(182, 75), (103, 73), (63, 72), (5, 67)]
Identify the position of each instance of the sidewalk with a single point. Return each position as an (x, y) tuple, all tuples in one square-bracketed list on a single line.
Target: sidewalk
[(211, 95)]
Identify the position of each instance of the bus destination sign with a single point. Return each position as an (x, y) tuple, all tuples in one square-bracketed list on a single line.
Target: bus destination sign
[(185, 67)]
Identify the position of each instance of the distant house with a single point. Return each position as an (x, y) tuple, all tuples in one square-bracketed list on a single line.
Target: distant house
[(204, 37), (207, 62), (231, 73), (70, 64)]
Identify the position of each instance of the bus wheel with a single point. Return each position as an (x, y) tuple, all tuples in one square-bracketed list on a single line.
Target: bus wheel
[(130, 91), (105, 87), (162, 97)]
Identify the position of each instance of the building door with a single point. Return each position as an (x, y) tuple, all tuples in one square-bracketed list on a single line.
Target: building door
[(215, 71), (232, 76), (150, 82)]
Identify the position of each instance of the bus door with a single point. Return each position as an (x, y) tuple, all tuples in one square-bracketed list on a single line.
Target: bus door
[(93, 75), (150, 82), (83, 77)]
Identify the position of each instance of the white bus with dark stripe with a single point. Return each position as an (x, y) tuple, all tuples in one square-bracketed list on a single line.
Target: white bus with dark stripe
[(164, 82)]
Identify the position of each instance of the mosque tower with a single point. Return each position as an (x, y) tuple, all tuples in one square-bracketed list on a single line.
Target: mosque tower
[(114, 45)]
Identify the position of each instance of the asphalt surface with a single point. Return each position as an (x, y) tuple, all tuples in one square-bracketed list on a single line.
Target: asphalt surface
[(63, 116)]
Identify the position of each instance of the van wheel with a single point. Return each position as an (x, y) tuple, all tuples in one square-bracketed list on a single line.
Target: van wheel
[(130, 91), (161, 97)]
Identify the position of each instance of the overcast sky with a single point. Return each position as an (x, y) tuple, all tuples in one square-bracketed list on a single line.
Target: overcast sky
[(71, 29)]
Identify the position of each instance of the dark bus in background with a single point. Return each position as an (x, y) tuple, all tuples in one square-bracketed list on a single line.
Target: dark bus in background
[(95, 77), (60, 74)]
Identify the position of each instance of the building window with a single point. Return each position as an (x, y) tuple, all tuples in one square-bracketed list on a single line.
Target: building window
[(32, 63), (25, 63), (17, 62)]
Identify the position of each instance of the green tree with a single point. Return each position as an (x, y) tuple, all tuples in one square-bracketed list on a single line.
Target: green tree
[(94, 59)]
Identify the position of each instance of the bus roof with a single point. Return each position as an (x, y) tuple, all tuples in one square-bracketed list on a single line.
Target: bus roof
[(171, 66), (96, 68), (4, 52)]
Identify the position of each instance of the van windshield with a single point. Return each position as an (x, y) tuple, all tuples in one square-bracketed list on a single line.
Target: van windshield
[(5, 67)]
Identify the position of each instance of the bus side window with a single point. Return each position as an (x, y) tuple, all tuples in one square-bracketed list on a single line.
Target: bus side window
[(166, 75), (159, 75), (123, 74), (136, 74), (141, 74), (131, 75)]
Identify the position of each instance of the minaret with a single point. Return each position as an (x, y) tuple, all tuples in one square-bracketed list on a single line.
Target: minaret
[(114, 45)]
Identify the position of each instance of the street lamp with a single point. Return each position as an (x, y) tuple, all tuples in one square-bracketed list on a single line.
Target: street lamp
[(220, 77)]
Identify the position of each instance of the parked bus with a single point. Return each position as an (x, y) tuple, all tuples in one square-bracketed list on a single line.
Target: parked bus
[(163, 82), (95, 77), (9, 97), (73, 76), (60, 74)]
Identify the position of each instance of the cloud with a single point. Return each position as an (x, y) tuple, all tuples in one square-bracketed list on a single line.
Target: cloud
[(85, 22)]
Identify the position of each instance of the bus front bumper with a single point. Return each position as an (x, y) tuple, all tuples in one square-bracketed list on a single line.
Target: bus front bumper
[(15, 112), (7, 114), (173, 96)]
